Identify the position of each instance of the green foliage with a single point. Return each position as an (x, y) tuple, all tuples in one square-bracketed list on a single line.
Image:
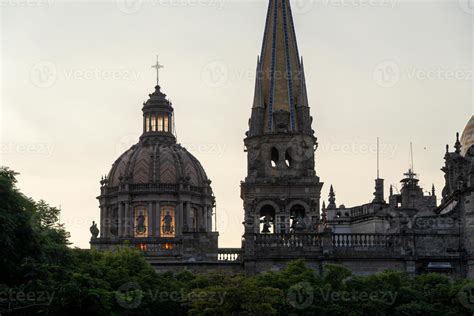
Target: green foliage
[(41, 275)]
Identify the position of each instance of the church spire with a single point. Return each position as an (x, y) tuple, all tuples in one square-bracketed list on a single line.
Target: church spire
[(281, 87)]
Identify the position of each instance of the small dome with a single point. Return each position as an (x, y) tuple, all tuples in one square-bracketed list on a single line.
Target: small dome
[(467, 139), (155, 162)]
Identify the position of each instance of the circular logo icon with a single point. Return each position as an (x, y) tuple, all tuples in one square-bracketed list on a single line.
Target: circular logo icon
[(215, 74), (129, 295), (299, 149), (302, 6), (466, 296), (387, 74), (129, 6), (43, 74), (125, 143), (222, 220), (467, 6), (300, 295)]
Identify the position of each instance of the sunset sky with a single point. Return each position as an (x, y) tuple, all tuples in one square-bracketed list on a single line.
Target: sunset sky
[(75, 75)]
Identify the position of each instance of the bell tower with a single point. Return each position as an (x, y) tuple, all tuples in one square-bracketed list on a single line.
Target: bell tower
[(281, 192)]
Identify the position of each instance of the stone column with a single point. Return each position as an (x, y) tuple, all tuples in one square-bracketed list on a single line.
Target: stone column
[(121, 216), (204, 217), (157, 219), (102, 221), (209, 218), (188, 223), (150, 219), (179, 219), (127, 220)]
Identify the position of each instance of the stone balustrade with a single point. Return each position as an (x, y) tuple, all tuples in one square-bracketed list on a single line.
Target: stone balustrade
[(365, 241), (229, 254)]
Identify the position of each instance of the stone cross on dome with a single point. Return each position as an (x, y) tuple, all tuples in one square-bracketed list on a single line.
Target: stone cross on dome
[(157, 66)]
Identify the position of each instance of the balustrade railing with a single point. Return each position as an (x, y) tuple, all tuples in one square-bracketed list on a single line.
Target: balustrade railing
[(364, 241), (287, 240), (229, 254), (151, 187)]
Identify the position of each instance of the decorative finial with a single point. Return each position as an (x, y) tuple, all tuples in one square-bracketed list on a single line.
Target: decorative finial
[(332, 198), (157, 66), (458, 144), (391, 190), (433, 190)]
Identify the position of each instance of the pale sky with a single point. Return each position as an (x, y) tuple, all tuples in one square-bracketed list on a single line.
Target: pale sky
[(75, 74)]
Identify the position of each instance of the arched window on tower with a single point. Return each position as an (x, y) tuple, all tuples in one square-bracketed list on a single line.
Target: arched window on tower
[(166, 123), (267, 219), (167, 222), (147, 122), (153, 123), (160, 123), (275, 157)]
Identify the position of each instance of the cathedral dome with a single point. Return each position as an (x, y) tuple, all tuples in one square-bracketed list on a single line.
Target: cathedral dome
[(467, 139), (157, 161), (154, 162)]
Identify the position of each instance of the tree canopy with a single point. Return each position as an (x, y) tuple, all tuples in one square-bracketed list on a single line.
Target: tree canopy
[(41, 274)]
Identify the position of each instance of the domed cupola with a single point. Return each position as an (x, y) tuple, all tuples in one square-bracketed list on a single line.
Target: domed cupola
[(467, 138), (157, 196), (158, 120)]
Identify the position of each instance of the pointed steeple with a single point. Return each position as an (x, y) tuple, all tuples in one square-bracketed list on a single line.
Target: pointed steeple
[(332, 199), (281, 88)]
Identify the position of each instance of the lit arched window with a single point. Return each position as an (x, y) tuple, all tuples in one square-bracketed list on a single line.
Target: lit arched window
[(160, 123), (140, 222), (167, 223), (166, 123), (147, 123), (153, 123)]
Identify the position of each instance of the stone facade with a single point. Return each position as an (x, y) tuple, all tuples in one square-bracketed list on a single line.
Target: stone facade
[(281, 193)]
